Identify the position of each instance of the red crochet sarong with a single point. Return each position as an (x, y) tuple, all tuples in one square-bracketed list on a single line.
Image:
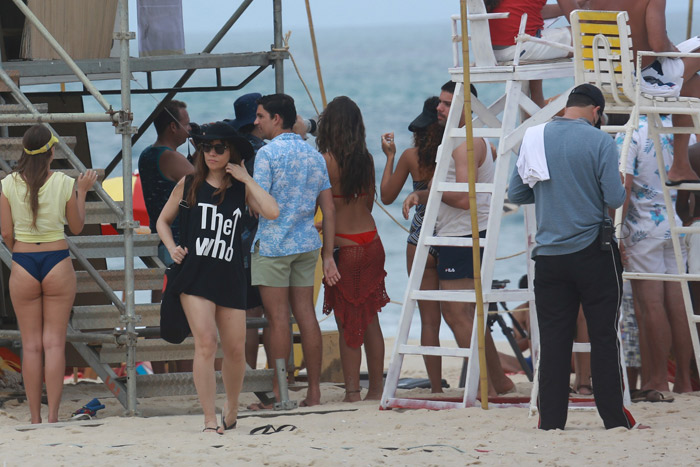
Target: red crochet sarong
[(360, 294)]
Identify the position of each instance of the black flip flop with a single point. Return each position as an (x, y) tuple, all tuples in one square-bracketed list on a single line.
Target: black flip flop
[(285, 428), (212, 429), (263, 430), (269, 429), (679, 182), (223, 421)]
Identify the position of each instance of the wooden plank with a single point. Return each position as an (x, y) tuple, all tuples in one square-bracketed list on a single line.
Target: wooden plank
[(588, 52), (97, 212), (152, 350), (596, 28), (614, 40), (585, 15), (99, 317), (112, 246), (11, 149), (144, 279), (14, 76), (73, 173)]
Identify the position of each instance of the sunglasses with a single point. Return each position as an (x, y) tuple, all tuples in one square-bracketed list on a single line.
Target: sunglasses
[(220, 149)]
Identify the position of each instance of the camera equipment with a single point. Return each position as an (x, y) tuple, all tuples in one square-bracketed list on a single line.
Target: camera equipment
[(606, 234)]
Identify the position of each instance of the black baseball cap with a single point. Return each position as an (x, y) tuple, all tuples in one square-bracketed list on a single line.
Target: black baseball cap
[(592, 93), (427, 116)]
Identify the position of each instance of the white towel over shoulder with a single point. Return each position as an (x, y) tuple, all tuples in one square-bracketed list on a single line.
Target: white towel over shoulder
[(532, 163)]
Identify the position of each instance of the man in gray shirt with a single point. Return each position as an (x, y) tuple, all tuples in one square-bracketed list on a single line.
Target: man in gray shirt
[(576, 258)]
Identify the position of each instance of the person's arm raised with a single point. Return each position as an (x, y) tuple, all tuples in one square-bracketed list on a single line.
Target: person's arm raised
[(75, 207), (259, 200)]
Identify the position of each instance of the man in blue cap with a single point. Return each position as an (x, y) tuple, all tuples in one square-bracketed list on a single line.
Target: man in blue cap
[(244, 108)]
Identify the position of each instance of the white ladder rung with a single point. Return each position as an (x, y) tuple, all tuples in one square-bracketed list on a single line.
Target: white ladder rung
[(406, 349), (469, 296), (464, 187), (687, 187), (581, 347), (453, 241), (686, 230), (478, 133), (650, 276)]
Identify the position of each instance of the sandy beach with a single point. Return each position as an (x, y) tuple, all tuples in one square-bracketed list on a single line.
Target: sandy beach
[(168, 432)]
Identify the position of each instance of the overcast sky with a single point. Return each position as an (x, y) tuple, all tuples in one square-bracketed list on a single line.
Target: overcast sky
[(209, 15), (205, 15)]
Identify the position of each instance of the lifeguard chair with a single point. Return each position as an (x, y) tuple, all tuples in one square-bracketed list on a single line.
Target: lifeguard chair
[(603, 56), (502, 120)]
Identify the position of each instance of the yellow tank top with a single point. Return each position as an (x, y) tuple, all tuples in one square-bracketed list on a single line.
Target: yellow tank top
[(51, 217)]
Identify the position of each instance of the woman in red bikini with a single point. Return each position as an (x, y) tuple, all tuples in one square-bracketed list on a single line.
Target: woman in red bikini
[(360, 294)]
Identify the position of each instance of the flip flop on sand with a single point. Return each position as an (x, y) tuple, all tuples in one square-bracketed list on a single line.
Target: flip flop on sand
[(269, 429), (651, 395), (212, 429)]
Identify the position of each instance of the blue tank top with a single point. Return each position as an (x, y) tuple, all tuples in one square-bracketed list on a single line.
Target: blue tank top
[(156, 188)]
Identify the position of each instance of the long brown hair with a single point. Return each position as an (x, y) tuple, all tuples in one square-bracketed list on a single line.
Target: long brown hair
[(201, 171), (34, 168), (426, 142), (341, 133)]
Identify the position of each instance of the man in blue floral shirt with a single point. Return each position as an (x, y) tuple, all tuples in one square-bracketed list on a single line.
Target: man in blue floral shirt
[(285, 250), (646, 238)]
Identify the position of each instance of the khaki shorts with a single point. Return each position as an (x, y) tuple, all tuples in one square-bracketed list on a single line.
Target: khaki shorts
[(284, 271)]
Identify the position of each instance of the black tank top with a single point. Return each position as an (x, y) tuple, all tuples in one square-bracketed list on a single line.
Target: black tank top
[(213, 268)]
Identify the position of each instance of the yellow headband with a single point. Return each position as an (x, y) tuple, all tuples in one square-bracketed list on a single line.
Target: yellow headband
[(44, 148)]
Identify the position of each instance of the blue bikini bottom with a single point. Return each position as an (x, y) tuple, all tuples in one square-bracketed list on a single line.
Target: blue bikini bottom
[(40, 263)]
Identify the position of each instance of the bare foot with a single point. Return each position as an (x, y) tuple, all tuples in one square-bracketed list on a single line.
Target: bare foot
[(308, 403), (681, 175), (680, 388), (259, 406), (373, 396), (352, 396)]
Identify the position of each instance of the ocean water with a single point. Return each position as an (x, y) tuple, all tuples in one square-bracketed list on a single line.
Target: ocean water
[(388, 71)]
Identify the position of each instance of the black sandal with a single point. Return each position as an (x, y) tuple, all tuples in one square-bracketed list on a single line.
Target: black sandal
[(223, 421), (213, 429)]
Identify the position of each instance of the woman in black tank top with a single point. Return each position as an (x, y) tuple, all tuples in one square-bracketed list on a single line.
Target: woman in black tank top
[(212, 282)]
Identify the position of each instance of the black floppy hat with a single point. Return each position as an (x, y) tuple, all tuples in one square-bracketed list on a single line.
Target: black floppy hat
[(591, 92), (427, 116), (225, 132)]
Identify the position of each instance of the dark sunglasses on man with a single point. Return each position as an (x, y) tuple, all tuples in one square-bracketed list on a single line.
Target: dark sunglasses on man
[(220, 149)]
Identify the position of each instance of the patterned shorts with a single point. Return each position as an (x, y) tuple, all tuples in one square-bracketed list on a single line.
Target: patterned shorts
[(629, 330)]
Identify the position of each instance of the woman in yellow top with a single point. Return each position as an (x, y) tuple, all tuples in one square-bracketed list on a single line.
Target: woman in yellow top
[(34, 206)]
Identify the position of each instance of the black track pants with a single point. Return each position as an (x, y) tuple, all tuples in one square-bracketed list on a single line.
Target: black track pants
[(592, 278)]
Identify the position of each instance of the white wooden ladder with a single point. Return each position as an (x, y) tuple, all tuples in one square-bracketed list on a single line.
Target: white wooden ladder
[(453, 136)]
